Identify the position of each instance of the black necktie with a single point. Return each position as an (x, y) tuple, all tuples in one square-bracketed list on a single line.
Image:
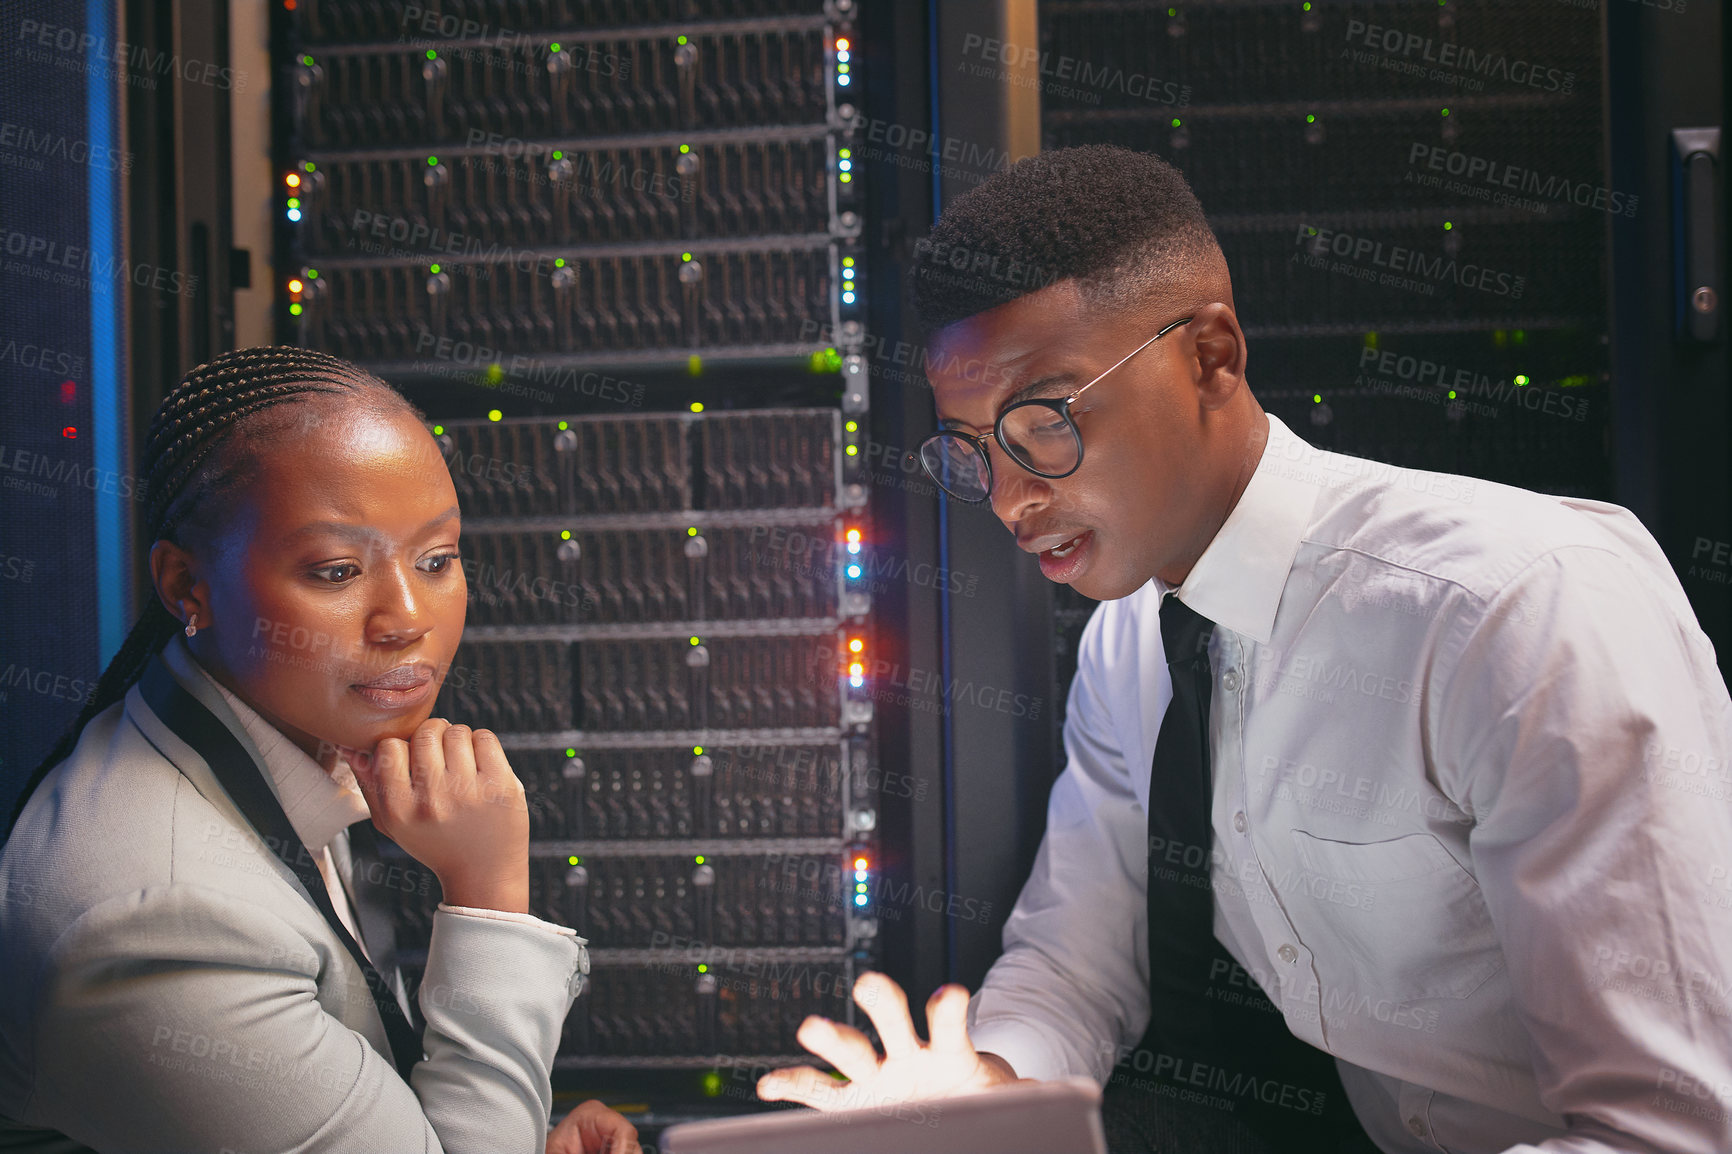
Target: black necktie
[(1238, 1042), (375, 890)]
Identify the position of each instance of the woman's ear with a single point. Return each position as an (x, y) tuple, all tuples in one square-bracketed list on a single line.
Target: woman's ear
[(174, 573)]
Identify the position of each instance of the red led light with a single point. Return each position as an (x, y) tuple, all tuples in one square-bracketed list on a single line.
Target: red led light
[(68, 392), (70, 433)]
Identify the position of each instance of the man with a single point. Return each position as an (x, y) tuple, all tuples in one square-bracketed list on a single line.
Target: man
[(1446, 760)]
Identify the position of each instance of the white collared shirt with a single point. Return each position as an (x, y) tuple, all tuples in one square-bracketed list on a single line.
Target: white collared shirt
[(1472, 765), (321, 806)]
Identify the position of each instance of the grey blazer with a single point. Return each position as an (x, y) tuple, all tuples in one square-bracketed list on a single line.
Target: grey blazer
[(166, 984)]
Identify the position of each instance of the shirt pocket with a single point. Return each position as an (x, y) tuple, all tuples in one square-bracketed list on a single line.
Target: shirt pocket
[(1421, 928)]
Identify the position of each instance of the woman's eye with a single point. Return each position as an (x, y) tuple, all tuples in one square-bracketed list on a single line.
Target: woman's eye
[(338, 574), (439, 563)]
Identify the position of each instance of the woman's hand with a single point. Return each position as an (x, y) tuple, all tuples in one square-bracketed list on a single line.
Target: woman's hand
[(449, 798), (593, 1129)]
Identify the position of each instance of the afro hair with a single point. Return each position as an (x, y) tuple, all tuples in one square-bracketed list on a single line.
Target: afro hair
[(1120, 222)]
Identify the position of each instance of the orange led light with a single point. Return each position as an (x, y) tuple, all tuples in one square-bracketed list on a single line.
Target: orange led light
[(853, 534), (842, 45), (295, 286), (860, 863), (856, 645), (293, 180), (856, 670)]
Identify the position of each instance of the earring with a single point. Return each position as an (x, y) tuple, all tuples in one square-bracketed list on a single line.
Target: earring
[(192, 625)]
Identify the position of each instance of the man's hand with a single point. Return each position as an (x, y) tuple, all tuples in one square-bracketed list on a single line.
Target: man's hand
[(910, 1069), (593, 1129)]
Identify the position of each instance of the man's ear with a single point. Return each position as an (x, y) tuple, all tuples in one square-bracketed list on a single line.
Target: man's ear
[(1220, 346)]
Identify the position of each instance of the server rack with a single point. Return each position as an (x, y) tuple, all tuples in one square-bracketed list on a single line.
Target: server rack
[(613, 250)]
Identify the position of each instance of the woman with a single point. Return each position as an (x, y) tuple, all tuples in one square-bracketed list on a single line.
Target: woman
[(195, 946)]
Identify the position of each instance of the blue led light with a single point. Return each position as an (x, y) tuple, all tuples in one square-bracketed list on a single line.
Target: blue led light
[(847, 298), (845, 165), (294, 214), (854, 572), (843, 55), (856, 681), (853, 546), (842, 81), (859, 899), (859, 875)]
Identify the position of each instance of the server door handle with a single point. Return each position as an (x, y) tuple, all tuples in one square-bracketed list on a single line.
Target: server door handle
[(1696, 229)]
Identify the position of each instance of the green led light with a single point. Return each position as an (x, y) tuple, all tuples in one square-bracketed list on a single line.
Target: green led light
[(435, 268), (1452, 394), (1306, 7), (845, 153), (1310, 118), (438, 430), (312, 274), (1448, 225), (842, 69), (1446, 112), (697, 406), (695, 641), (853, 450), (691, 530), (847, 262), (847, 178), (1177, 122), (309, 166), (558, 262), (432, 54), (494, 414), (553, 48), (294, 202), (697, 749), (571, 861), (1317, 398), (565, 534), (852, 426), (685, 256), (432, 160), (295, 310), (565, 425), (703, 969), (571, 753), (694, 365), (495, 374), (307, 60), (712, 1083), (681, 40), (859, 887), (685, 148), (1521, 379), (558, 155), (699, 859)]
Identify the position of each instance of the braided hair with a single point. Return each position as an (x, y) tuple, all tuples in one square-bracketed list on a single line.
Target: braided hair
[(192, 455)]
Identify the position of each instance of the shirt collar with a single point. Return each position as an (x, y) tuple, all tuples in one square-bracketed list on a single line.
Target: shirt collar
[(1238, 580), (319, 805)]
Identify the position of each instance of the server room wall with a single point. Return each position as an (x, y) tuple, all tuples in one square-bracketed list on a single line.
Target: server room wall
[(613, 250)]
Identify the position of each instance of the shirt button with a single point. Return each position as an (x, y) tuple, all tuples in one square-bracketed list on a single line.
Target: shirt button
[(1230, 680), (1287, 954), (1239, 822), (1417, 1125)]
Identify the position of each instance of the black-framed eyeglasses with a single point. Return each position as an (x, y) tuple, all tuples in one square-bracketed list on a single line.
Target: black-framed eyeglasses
[(1037, 434)]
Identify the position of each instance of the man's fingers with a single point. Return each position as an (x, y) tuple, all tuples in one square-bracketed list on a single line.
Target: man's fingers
[(842, 1046), (947, 1019), (887, 1006), (802, 1084)]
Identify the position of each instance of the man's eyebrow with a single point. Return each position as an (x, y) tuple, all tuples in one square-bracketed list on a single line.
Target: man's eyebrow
[(353, 532), (1050, 381)]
